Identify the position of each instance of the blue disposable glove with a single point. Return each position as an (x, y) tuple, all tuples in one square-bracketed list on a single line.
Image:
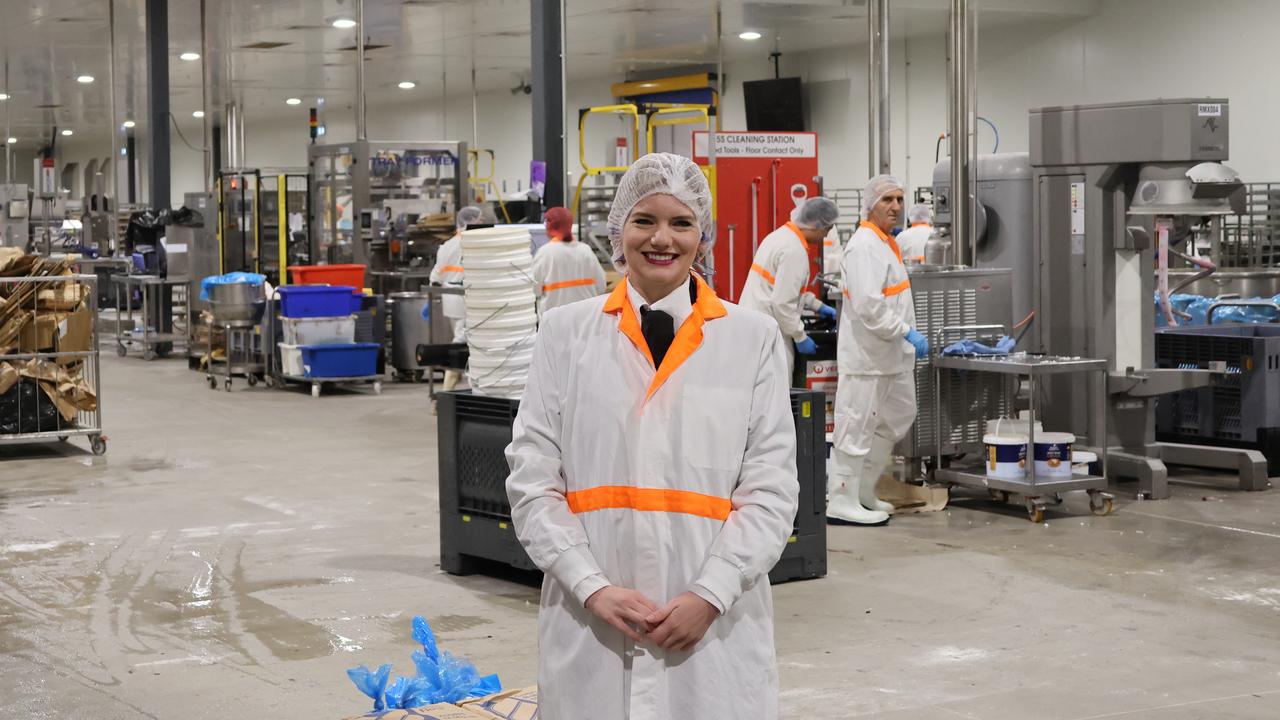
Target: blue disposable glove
[(827, 311), (807, 347), (920, 342)]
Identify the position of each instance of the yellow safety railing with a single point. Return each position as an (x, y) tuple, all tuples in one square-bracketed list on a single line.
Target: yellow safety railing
[(282, 230), (486, 182), (587, 169)]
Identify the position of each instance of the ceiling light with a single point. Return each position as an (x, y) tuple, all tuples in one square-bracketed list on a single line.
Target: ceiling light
[(68, 132), (407, 85), (749, 35), (197, 114), (129, 124), (293, 101), (86, 79), (13, 140), (4, 96), (344, 23), (189, 56)]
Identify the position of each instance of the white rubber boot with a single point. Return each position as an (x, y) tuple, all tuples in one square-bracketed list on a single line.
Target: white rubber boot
[(877, 462), (842, 501)]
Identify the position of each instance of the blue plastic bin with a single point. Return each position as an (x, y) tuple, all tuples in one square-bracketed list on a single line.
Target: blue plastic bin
[(306, 301), (349, 360)]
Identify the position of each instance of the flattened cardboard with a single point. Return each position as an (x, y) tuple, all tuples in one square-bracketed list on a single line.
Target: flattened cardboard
[(439, 711), (519, 704)]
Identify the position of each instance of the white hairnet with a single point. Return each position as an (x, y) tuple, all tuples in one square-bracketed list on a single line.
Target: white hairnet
[(878, 187), (660, 173), (816, 213), (469, 215), (920, 213)]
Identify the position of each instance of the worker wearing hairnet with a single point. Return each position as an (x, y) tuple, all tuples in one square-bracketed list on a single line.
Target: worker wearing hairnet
[(564, 270), (911, 241), (780, 270), (876, 351), (653, 477), (448, 272)]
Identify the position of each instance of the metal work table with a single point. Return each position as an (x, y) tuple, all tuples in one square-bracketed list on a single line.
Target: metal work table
[(1035, 490), (386, 282), (150, 287)]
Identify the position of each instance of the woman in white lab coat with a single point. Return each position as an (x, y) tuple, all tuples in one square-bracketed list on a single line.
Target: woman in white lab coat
[(653, 478)]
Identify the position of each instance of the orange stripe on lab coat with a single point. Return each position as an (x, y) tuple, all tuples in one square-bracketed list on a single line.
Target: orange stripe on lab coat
[(759, 269), (568, 284), (649, 500), (452, 268), (896, 289)]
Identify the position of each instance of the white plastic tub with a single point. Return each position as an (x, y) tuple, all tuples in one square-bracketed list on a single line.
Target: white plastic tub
[(1006, 456), (291, 360), (1053, 454), (319, 331)]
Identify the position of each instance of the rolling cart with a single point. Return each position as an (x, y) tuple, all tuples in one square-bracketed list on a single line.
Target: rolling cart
[(1037, 492), (157, 297)]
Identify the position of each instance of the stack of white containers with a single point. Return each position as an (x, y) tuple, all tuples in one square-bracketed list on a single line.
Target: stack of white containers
[(501, 312)]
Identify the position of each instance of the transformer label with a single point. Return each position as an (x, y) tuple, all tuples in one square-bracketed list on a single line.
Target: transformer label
[(1209, 110)]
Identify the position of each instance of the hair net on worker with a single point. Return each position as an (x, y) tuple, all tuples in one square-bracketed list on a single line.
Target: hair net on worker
[(660, 173), (878, 187), (816, 213), (920, 213), (559, 222), (469, 215)]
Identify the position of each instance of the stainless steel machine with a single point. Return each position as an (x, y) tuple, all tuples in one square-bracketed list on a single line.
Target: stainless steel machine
[(954, 297), (1113, 187), (15, 214), (360, 188)]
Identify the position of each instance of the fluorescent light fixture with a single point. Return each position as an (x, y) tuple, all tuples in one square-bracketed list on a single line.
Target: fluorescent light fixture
[(85, 79), (344, 23), (407, 85), (13, 140), (197, 114), (68, 132), (4, 96), (189, 56), (293, 101), (129, 124), (749, 35)]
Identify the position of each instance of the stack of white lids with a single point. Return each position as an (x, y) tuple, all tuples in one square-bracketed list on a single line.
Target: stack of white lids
[(501, 312)]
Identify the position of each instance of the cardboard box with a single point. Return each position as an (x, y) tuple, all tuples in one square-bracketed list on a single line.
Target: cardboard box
[(58, 332), (439, 711), (65, 296), (519, 704)]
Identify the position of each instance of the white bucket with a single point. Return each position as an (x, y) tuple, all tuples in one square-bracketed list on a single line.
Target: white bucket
[(501, 312), (1006, 456), (1012, 426), (1053, 454)]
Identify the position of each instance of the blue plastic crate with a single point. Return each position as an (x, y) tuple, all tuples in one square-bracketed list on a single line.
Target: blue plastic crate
[(348, 360), (306, 301)]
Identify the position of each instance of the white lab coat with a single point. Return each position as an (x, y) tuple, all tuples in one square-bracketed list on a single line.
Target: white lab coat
[(448, 272), (565, 272), (678, 480), (875, 390), (878, 310), (911, 241), (775, 285)]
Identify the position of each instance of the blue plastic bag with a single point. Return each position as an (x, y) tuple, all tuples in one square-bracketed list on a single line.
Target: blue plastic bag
[(371, 682), (1003, 346), (441, 677), (229, 279)]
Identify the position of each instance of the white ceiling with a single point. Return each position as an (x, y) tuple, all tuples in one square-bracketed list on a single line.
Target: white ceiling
[(47, 44)]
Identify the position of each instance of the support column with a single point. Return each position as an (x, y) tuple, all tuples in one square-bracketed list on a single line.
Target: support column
[(960, 75), (548, 94), (158, 99)]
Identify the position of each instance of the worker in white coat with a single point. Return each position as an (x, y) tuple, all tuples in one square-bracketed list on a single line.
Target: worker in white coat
[(911, 241), (448, 272), (876, 350), (653, 477), (780, 271), (564, 270)]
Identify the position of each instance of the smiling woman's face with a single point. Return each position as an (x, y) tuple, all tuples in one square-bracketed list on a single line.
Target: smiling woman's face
[(660, 243)]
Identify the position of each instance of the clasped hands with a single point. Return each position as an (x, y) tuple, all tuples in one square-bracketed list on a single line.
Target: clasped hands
[(677, 626)]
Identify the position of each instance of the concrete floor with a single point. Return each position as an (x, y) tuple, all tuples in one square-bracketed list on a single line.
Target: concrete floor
[(233, 554)]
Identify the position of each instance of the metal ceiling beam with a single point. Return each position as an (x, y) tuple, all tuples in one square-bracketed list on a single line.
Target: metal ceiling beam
[(547, 45)]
